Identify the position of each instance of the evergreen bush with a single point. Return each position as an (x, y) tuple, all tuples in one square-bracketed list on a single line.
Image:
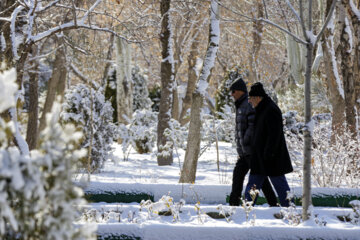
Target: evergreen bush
[(88, 110)]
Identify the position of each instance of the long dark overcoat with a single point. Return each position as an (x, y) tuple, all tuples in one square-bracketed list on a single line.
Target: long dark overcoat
[(270, 154)]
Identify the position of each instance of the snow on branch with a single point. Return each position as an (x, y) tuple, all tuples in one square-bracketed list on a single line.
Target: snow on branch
[(209, 61), (81, 76), (354, 9), (13, 33), (89, 11), (293, 10), (252, 19), (42, 9)]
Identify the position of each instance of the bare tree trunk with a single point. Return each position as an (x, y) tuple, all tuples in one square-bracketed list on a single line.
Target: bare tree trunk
[(356, 64), (188, 174), (167, 84), (32, 126), (306, 198), (108, 58), (56, 84), (333, 81), (192, 77), (124, 86), (257, 38), (347, 68), (175, 103)]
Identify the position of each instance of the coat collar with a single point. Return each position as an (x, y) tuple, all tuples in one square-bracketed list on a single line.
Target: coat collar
[(241, 99), (262, 104)]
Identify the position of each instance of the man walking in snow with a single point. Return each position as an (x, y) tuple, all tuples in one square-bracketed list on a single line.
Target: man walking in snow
[(270, 156), (245, 116)]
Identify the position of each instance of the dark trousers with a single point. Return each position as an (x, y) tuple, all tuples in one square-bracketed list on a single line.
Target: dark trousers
[(280, 184), (240, 171)]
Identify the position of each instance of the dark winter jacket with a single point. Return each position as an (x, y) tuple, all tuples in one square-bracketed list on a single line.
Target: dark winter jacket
[(245, 116), (270, 155)]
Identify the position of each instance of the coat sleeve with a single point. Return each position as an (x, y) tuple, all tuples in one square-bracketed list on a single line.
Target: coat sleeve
[(250, 126), (274, 128)]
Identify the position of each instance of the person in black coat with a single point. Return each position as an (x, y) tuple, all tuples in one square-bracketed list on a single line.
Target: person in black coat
[(245, 116), (270, 156)]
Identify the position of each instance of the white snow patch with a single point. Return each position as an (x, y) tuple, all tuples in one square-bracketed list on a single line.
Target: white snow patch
[(8, 89), (311, 36), (354, 9), (3, 42), (349, 33)]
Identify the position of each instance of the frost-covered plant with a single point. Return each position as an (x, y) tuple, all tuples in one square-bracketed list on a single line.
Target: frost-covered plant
[(354, 216), (290, 214), (141, 98), (248, 206), (221, 126), (166, 204), (226, 211), (58, 154), (38, 197), (335, 159), (199, 213), (88, 110), (140, 133)]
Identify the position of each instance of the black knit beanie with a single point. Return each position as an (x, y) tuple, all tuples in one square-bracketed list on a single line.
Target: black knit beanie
[(239, 84), (257, 89)]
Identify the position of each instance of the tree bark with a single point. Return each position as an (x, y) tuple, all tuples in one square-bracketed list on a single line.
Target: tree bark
[(108, 58), (192, 77), (188, 173), (167, 84), (32, 126), (257, 38), (56, 84), (124, 87), (333, 81), (356, 64), (347, 62), (306, 198)]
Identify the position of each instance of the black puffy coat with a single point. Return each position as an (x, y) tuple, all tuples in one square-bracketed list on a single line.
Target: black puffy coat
[(245, 117), (270, 154)]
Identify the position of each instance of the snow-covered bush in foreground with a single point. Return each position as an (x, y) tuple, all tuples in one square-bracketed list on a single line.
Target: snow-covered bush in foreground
[(88, 110), (37, 197)]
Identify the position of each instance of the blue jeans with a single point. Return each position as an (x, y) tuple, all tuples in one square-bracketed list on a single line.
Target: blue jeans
[(279, 182)]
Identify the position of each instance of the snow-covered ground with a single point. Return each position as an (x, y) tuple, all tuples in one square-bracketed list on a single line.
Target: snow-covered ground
[(141, 174)]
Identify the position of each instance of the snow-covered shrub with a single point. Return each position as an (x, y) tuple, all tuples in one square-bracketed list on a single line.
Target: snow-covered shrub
[(165, 206), (140, 133), (155, 95), (57, 155), (355, 215), (37, 196), (218, 128), (336, 162), (88, 110), (293, 98), (290, 214), (141, 98)]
